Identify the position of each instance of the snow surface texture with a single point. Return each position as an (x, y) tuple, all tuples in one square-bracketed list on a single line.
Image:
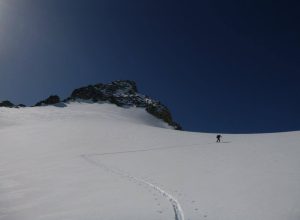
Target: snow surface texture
[(99, 161)]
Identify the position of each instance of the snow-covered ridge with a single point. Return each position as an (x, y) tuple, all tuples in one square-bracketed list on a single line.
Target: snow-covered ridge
[(122, 93)]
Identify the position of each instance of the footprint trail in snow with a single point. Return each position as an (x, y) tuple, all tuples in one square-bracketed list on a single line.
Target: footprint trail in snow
[(178, 211)]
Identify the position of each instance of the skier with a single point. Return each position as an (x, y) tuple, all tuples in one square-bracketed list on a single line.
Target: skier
[(218, 138)]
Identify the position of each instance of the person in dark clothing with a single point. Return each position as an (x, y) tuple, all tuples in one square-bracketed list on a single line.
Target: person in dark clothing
[(218, 138)]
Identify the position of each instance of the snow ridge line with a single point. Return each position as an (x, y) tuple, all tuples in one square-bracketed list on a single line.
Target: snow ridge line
[(179, 214)]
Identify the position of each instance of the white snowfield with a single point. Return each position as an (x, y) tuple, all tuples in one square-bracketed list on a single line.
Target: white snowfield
[(102, 162)]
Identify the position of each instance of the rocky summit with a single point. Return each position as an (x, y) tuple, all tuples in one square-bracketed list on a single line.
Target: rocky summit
[(123, 93), (51, 100), (9, 104)]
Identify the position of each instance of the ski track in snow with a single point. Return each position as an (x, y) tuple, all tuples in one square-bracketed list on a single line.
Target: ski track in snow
[(178, 211), (150, 149)]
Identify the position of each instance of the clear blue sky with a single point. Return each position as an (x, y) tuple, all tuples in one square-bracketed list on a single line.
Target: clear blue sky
[(220, 66)]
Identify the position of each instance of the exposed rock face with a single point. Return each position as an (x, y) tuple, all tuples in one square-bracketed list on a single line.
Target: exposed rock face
[(113, 92), (162, 112), (21, 106), (123, 93), (7, 104), (51, 100)]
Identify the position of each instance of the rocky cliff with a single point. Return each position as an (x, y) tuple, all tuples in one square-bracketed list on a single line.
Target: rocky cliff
[(123, 93)]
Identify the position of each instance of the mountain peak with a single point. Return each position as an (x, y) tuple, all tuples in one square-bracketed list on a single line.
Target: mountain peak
[(123, 93)]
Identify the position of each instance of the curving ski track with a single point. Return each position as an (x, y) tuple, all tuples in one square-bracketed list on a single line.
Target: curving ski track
[(178, 211)]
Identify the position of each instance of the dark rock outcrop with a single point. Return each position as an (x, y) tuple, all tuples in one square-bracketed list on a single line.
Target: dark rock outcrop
[(51, 100), (7, 104), (112, 92), (21, 106), (162, 112), (123, 93)]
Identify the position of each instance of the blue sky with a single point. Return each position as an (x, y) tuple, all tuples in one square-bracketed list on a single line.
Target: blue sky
[(220, 66)]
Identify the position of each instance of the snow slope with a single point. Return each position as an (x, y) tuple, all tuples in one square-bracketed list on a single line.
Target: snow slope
[(99, 161)]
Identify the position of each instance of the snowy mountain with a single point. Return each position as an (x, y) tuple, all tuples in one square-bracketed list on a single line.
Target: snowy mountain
[(122, 93), (99, 161)]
